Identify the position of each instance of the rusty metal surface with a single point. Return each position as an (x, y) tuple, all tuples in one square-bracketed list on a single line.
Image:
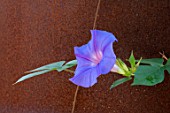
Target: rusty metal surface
[(37, 32)]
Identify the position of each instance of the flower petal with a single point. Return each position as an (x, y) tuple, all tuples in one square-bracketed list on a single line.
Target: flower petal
[(108, 61), (86, 78), (84, 55), (100, 39), (106, 65)]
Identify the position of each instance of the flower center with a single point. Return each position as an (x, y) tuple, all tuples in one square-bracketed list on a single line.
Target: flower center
[(97, 57)]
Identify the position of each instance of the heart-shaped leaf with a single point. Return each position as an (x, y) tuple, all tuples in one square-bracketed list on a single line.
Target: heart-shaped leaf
[(148, 75), (167, 66), (153, 61)]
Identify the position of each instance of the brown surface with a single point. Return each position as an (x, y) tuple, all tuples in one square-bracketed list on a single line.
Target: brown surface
[(37, 32)]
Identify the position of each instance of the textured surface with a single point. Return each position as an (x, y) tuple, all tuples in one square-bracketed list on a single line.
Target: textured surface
[(37, 32)]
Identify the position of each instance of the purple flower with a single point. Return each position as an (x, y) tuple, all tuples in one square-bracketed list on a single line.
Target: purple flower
[(94, 58)]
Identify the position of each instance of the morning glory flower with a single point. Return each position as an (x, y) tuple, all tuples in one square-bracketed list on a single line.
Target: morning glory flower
[(94, 58)]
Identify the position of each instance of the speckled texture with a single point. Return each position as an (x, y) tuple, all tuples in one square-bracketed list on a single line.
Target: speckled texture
[(37, 32)]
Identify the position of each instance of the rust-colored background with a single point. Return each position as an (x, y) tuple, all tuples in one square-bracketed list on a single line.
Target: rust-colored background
[(38, 32)]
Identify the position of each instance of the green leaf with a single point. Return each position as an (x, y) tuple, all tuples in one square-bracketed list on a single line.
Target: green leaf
[(153, 61), (52, 66), (148, 75), (31, 75), (167, 66), (120, 81), (67, 65), (132, 60), (42, 70), (72, 63)]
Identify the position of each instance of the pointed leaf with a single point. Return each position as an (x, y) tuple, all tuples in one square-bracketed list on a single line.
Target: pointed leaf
[(52, 66), (71, 63), (67, 65), (120, 81), (139, 61), (31, 75)]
